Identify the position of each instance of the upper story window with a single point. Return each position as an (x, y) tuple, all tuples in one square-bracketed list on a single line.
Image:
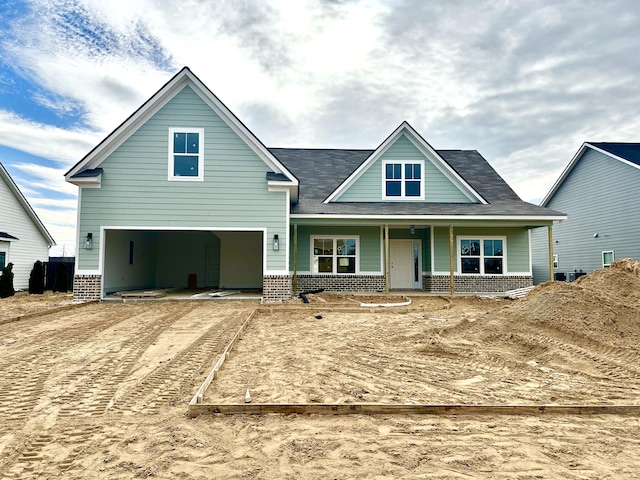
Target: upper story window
[(186, 154), (403, 180), (481, 256)]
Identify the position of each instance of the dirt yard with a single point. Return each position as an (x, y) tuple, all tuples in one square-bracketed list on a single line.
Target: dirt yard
[(100, 391)]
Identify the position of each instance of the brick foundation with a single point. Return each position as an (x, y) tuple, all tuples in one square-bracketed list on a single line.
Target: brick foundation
[(475, 283), (276, 288), (86, 288), (342, 283)]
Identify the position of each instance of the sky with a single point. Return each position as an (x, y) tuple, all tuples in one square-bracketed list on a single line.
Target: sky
[(524, 82)]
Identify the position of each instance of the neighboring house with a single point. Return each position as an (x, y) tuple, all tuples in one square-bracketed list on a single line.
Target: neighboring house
[(597, 191), (183, 194), (23, 237)]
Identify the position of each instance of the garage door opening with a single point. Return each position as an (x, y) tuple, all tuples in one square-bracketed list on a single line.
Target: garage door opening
[(136, 260)]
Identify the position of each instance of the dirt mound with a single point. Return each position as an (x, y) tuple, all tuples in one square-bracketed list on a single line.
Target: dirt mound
[(603, 306)]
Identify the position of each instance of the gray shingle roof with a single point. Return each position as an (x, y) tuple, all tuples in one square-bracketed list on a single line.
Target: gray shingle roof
[(321, 171)]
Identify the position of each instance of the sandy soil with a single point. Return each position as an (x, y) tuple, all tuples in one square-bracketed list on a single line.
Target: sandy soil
[(101, 390)]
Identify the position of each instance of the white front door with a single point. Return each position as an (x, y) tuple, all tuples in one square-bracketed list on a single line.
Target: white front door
[(404, 259)]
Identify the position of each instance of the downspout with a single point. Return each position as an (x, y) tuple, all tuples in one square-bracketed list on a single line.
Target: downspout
[(452, 288)]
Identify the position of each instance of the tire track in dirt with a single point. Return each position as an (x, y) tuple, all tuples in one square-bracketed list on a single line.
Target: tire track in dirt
[(93, 385), (179, 376)]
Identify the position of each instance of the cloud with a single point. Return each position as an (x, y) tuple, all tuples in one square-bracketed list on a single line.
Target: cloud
[(63, 146), (524, 83)]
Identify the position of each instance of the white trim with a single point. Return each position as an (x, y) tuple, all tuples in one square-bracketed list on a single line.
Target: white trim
[(160, 99), (88, 272), (201, 158), (22, 200), (403, 197), (382, 257), (565, 173), (417, 284), (408, 218), (87, 182), (78, 259), (510, 274), (312, 237), (530, 253), (481, 239), (424, 148)]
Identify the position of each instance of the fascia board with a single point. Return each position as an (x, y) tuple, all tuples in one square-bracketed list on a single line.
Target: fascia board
[(565, 174), (154, 104), (427, 150), (453, 218), (240, 129), (26, 206), (130, 125), (616, 157)]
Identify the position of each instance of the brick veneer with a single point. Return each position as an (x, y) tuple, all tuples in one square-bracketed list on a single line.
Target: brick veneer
[(276, 288), (86, 287), (342, 283), (475, 283)]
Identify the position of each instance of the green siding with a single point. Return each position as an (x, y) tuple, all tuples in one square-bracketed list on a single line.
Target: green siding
[(517, 246), (369, 246), (420, 234), (438, 188), (136, 191)]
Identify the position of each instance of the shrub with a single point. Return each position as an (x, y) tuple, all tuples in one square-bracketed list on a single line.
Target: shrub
[(36, 279), (6, 282), (60, 283)]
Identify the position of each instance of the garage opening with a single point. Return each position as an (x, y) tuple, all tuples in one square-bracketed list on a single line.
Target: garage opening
[(180, 260)]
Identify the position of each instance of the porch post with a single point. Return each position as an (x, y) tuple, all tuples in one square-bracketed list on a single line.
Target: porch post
[(386, 259), (452, 288), (295, 259), (550, 235)]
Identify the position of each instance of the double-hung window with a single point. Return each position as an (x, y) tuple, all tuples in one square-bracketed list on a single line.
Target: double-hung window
[(334, 254), (403, 180), (482, 256), (186, 154)]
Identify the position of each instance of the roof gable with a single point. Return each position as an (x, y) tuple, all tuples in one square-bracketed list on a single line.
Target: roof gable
[(627, 153), (13, 188), (406, 132), (181, 80)]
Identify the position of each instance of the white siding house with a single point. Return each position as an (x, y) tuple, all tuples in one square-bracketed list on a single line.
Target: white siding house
[(23, 237)]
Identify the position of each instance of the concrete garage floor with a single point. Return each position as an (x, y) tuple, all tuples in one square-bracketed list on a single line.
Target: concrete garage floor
[(174, 294)]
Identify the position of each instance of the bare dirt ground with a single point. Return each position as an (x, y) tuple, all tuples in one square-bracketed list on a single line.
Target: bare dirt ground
[(100, 391)]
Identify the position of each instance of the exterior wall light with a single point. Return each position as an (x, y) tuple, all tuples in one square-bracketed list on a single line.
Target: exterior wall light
[(276, 242), (88, 241), (412, 229)]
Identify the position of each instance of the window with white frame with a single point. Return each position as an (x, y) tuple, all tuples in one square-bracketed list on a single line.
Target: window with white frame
[(607, 258), (555, 261), (3, 260), (334, 255), (186, 154), (403, 180), (481, 256)]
